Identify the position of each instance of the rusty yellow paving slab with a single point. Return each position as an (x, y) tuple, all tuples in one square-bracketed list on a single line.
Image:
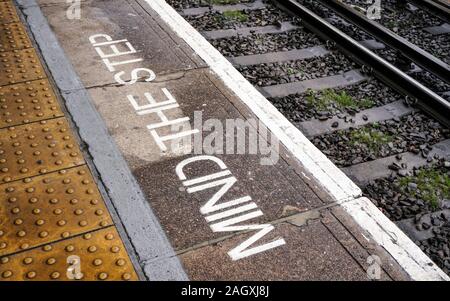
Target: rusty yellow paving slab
[(101, 254), (54, 223), (20, 66), (13, 37), (39, 210), (7, 12), (37, 148), (27, 102)]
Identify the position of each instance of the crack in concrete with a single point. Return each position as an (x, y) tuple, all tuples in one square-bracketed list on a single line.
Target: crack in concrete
[(297, 219)]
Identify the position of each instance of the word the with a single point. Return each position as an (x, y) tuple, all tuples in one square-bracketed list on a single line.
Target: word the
[(159, 108)]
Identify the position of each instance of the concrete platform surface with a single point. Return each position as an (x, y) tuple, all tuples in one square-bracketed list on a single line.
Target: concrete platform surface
[(157, 111)]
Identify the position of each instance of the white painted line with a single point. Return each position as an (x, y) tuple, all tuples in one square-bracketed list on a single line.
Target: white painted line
[(335, 182)]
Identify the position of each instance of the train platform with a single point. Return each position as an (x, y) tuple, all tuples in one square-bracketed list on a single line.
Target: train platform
[(131, 149)]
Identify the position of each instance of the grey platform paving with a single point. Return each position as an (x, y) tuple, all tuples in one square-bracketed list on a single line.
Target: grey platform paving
[(172, 239)]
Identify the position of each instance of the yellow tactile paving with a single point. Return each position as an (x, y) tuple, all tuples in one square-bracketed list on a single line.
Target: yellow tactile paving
[(7, 12), (27, 102), (102, 257), (37, 148), (13, 37), (52, 214), (39, 210), (19, 66)]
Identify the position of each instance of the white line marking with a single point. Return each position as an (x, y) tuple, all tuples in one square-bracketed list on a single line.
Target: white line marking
[(167, 123), (207, 178), (231, 212), (338, 185)]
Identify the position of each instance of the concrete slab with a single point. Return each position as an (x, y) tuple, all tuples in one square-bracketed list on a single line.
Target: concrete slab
[(276, 192), (312, 253), (439, 30), (120, 20), (316, 127), (365, 172)]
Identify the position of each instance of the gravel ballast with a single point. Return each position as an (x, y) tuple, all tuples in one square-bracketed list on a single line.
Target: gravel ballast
[(299, 107), (412, 133)]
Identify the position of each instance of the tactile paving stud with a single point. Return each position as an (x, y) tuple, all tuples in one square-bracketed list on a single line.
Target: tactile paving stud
[(13, 37), (39, 210), (99, 255), (36, 149), (20, 66), (27, 102), (7, 12)]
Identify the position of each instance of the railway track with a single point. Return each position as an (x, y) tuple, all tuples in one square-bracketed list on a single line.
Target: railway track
[(416, 41), (377, 108)]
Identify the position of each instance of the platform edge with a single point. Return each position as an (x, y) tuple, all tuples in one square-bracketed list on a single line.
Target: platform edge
[(346, 193)]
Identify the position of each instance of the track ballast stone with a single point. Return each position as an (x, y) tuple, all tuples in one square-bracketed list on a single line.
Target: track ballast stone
[(303, 107), (412, 133), (438, 246), (265, 43), (424, 197), (242, 18), (422, 190)]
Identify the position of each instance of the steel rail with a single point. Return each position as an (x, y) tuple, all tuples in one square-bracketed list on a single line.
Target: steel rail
[(427, 100), (438, 8), (416, 54)]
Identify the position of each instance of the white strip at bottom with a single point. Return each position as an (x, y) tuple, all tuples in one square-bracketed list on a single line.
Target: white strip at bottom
[(415, 263)]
